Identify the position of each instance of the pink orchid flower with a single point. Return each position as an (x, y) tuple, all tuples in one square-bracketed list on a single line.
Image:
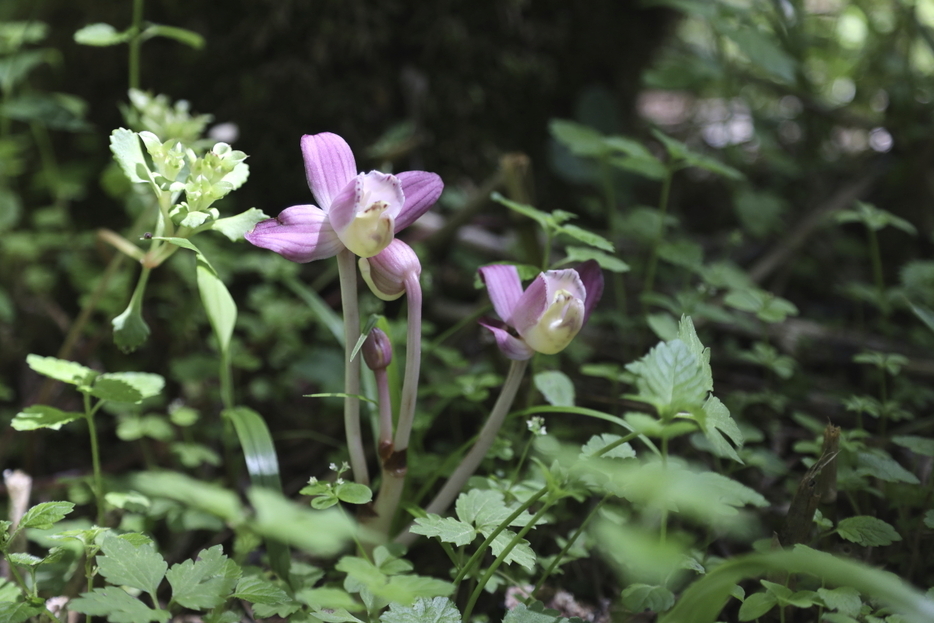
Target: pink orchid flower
[(547, 315), (361, 212)]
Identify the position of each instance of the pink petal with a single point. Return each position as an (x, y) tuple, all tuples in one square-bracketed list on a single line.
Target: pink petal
[(592, 277), (329, 166), (386, 272), (422, 190), (503, 285), (361, 192), (511, 346), (529, 307), (300, 233)]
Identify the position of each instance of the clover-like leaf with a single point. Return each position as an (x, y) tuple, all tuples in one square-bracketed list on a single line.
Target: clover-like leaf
[(42, 416), (60, 369)]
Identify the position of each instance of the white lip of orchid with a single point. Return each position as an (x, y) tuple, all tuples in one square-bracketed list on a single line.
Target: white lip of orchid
[(370, 231), (557, 326)]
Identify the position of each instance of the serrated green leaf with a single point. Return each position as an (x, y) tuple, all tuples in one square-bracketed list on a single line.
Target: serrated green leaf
[(424, 610), (536, 614), (487, 510), (117, 605), (42, 416), (599, 442), (606, 261), (641, 597), (329, 598), (123, 563), (867, 531), (715, 423), (756, 605), (556, 388), (100, 35), (60, 369), (728, 491), (885, 468), (115, 390), (688, 334), (542, 218), (45, 515), (234, 227), (257, 590), (22, 559), (844, 599), (447, 529), (587, 237), (129, 155), (131, 387), (671, 379), (521, 554), (205, 583)]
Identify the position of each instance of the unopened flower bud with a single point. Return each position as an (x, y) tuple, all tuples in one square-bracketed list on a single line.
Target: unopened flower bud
[(377, 350), (387, 271)]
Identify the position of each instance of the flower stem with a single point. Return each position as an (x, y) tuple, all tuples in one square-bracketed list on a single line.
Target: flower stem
[(485, 440), (413, 360), (347, 269)]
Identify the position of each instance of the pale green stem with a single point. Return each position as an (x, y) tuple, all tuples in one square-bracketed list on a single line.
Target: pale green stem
[(95, 460), (413, 360), (385, 409), (660, 236), (347, 269), (480, 449)]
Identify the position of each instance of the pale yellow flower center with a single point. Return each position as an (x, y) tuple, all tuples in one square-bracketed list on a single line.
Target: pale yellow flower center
[(560, 322)]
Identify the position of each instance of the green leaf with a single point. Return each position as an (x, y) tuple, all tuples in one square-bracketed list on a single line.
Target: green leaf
[(329, 598), (117, 605), (844, 599), (763, 51), (765, 305), (642, 597), (129, 155), (606, 261), (537, 613), (130, 330), (436, 610), (405, 589), (206, 583), (100, 35), (448, 529), (17, 612), (234, 227), (581, 140), (44, 516), (22, 559), (542, 218), (125, 564), (671, 378), (257, 590), (353, 493), (60, 369), (587, 237), (323, 533), (885, 468), (867, 531), (919, 445), (182, 35), (521, 553), (756, 605), (487, 510), (190, 492), (218, 303), (42, 416), (717, 422), (682, 253), (929, 518), (556, 387), (129, 387), (599, 442)]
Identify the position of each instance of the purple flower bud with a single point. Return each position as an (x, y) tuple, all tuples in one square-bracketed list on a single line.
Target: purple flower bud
[(386, 273), (377, 350)]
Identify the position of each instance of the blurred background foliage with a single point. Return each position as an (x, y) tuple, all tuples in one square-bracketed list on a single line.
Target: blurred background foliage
[(810, 105)]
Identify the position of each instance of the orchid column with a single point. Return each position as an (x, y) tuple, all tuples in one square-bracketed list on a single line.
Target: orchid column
[(359, 214)]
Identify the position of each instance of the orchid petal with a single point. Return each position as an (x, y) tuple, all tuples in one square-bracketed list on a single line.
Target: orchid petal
[(529, 307), (592, 278), (422, 190), (329, 166), (551, 311), (300, 233), (504, 287), (511, 346)]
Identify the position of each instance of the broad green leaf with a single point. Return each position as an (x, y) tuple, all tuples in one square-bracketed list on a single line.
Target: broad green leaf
[(234, 227), (765, 305), (132, 387), (581, 140), (763, 51), (521, 553), (756, 605), (262, 462), (100, 35), (218, 303), (919, 445), (845, 600), (597, 443), (587, 237), (43, 516), (684, 253), (448, 529), (487, 509), (205, 583), (182, 35), (606, 261), (728, 491), (353, 493), (641, 597), (885, 468), (124, 564), (929, 518), (60, 369), (867, 531), (925, 314), (323, 533), (874, 218), (556, 387), (257, 590), (424, 610), (715, 421), (17, 612), (42, 416), (129, 155), (663, 325), (22, 559), (117, 605), (330, 598), (688, 334), (405, 589), (190, 492), (536, 613), (128, 499)]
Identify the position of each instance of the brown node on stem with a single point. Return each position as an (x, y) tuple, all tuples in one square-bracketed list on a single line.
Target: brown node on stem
[(397, 463), (385, 451)]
